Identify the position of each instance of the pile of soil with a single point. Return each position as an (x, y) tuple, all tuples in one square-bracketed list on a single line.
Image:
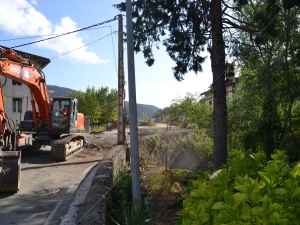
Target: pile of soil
[(151, 124)]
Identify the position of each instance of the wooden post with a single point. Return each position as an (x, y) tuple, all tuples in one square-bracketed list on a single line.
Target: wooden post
[(121, 93)]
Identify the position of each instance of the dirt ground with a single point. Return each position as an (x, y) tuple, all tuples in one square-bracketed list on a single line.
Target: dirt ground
[(165, 206)]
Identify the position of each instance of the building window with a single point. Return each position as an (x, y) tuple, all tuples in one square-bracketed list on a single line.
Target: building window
[(17, 105), (210, 102), (16, 83)]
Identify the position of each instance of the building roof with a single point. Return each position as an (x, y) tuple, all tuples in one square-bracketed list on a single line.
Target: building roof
[(228, 83), (33, 58)]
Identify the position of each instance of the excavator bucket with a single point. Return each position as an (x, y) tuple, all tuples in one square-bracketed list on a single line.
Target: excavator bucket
[(10, 171)]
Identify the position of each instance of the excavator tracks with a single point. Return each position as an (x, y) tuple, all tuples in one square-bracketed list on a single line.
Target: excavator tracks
[(67, 146)]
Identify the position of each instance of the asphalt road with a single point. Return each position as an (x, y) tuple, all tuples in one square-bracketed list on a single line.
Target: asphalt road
[(48, 189), (51, 192)]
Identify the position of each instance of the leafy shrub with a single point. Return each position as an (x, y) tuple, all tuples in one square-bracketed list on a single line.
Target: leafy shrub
[(163, 150), (249, 190), (202, 143)]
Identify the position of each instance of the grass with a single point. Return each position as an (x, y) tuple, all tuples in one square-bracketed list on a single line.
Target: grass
[(162, 195), (121, 210), (98, 130)]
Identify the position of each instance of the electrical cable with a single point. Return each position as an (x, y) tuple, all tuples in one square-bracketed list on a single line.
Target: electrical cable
[(112, 41), (85, 28), (81, 46), (46, 35)]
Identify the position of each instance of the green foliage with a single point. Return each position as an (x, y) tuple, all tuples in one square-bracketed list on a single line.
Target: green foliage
[(161, 150), (161, 184), (154, 150), (162, 114), (182, 20), (249, 190), (202, 143), (168, 182), (98, 129), (121, 210), (99, 104), (264, 113), (195, 111)]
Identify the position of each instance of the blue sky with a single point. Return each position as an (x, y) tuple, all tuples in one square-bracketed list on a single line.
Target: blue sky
[(95, 64)]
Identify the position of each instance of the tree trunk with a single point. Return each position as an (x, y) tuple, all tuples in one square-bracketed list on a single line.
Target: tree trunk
[(219, 86)]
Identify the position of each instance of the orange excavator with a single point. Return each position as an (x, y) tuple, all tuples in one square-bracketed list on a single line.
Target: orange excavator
[(56, 123)]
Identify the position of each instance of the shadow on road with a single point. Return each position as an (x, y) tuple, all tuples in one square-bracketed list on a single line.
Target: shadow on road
[(60, 164)]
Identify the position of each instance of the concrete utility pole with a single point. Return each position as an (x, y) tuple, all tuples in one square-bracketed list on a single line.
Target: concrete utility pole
[(135, 160), (121, 93)]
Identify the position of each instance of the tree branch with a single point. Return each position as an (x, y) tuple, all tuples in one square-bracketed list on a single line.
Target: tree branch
[(243, 28), (223, 11), (249, 24)]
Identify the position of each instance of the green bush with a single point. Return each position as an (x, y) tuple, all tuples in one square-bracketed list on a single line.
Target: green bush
[(249, 190), (160, 150)]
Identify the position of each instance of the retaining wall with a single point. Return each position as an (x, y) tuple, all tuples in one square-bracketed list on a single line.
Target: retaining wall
[(114, 161)]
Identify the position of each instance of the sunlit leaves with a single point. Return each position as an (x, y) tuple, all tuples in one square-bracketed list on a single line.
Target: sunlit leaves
[(99, 104), (264, 193)]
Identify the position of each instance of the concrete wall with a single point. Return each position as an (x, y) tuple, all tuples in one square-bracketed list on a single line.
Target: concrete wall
[(109, 166)]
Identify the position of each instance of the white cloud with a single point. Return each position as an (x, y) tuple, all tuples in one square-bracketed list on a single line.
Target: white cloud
[(161, 94), (70, 42), (20, 18)]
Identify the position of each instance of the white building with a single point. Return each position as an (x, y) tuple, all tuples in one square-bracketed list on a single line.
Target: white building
[(230, 89), (17, 95)]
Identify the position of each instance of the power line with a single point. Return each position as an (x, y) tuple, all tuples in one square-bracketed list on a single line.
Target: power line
[(85, 28), (46, 35), (112, 32), (82, 46), (112, 41)]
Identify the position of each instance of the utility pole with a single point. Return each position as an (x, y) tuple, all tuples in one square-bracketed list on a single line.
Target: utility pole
[(121, 93), (135, 161)]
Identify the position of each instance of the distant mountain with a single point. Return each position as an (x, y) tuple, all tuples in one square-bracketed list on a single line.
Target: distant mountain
[(143, 111), (56, 91)]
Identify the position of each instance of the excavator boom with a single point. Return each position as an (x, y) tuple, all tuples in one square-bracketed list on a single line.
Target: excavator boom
[(49, 121)]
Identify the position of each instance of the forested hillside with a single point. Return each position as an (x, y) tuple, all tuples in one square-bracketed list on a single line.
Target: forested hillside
[(56, 91), (143, 110)]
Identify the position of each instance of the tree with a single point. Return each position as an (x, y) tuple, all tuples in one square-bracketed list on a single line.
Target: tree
[(191, 26), (101, 105), (196, 112), (111, 106), (262, 114)]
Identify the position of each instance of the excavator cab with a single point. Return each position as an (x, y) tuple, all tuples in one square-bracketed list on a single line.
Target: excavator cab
[(64, 116)]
